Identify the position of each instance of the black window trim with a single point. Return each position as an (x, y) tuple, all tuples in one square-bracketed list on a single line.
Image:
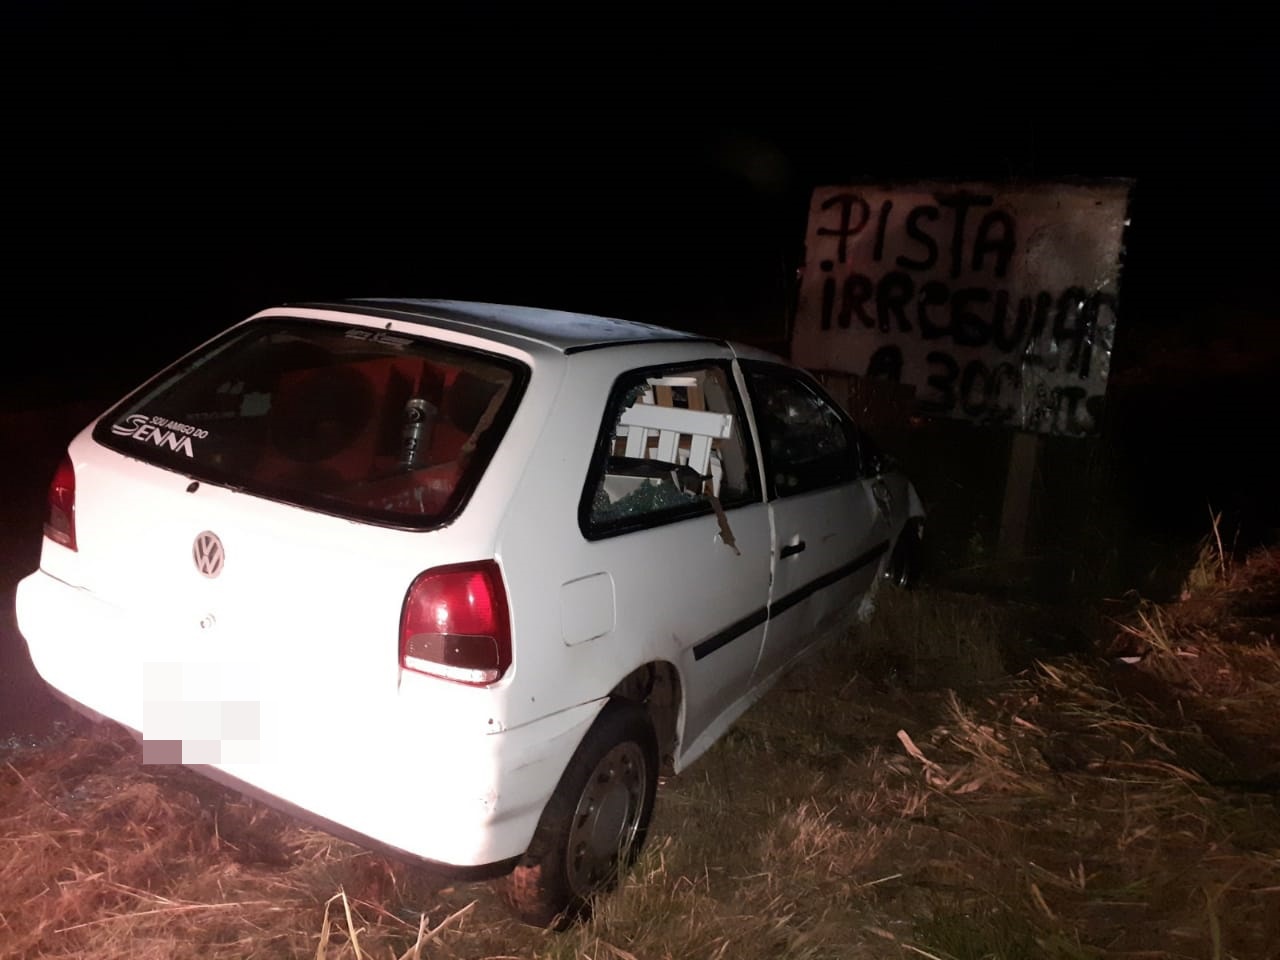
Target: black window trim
[(604, 436)]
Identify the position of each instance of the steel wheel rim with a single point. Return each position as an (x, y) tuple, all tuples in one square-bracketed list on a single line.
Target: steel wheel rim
[(607, 818)]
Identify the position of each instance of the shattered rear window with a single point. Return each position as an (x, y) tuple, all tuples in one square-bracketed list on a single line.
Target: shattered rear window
[(353, 421)]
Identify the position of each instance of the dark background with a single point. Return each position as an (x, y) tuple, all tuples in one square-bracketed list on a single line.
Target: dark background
[(172, 168)]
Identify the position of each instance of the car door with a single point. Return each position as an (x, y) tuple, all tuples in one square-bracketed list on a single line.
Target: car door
[(674, 511), (829, 528)]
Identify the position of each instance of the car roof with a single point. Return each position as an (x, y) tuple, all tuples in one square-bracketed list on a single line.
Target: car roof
[(557, 329)]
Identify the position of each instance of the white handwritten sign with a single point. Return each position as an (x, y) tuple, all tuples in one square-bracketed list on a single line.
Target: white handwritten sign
[(997, 303)]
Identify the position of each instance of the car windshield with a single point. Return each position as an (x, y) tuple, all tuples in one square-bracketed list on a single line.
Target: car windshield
[(349, 420)]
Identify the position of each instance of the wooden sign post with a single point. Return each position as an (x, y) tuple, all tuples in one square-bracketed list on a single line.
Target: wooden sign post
[(1019, 489)]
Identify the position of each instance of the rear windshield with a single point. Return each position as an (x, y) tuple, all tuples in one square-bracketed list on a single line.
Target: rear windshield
[(348, 420)]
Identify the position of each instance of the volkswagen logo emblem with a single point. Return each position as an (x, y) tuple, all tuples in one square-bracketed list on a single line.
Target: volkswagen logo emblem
[(208, 554)]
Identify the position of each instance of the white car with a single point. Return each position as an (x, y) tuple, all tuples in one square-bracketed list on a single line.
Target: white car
[(457, 580)]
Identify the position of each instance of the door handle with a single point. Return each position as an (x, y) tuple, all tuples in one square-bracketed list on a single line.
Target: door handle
[(791, 549)]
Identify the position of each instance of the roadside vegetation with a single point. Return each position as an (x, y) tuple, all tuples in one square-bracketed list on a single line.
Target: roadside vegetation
[(963, 778)]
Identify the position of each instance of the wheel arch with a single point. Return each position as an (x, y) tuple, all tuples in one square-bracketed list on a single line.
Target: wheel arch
[(656, 686)]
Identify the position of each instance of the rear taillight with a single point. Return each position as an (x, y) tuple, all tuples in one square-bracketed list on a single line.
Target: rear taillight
[(455, 624), (60, 523)]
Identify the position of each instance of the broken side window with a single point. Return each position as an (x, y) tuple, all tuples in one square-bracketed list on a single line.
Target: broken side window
[(674, 445), (808, 443)]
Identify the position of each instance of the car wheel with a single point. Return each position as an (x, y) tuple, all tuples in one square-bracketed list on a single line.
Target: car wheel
[(908, 554), (593, 825)]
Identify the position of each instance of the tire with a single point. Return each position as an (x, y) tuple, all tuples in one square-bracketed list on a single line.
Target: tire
[(593, 825), (908, 555)]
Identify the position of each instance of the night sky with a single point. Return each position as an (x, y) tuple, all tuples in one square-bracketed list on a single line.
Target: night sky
[(171, 168)]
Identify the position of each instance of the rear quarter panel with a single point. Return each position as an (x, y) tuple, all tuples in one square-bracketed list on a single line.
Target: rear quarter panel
[(541, 548)]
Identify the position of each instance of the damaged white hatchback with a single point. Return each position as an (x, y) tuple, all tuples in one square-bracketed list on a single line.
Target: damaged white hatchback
[(457, 580)]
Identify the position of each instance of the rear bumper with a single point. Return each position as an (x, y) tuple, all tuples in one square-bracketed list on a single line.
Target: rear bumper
[(483, 871), (392, 768)]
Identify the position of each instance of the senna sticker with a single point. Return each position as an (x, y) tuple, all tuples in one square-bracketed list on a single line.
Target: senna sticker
[(161, 431)]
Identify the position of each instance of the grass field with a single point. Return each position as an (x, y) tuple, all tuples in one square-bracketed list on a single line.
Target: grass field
[(942, 783)]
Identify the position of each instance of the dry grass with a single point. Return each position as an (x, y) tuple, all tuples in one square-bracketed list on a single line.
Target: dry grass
[(1084, 807)]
